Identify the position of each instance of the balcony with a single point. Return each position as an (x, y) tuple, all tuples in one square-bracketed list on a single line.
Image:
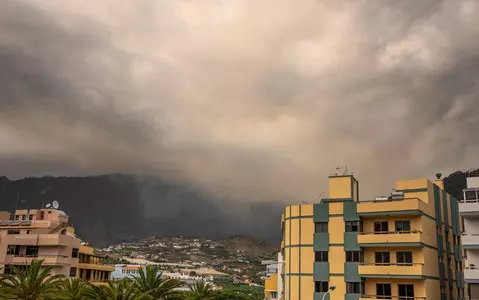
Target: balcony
[(469, 207), (470, 241), (378, 297), (403, 207), (40, 239), (48, 260), (97, 267), (390, 238), (471, 275), (413, 271)]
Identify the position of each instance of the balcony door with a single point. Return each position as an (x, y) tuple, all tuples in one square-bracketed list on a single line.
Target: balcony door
[(406, 291), (383, 291), (381, 227)]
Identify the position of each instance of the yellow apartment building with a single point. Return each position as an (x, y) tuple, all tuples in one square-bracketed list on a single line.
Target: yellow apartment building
[(271, 283), (90, 268), (404, 246), (44, 234)]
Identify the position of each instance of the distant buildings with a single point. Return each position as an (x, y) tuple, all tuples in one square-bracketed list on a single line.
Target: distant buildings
[(403, 246), (187, 277), (44, 234), (469, 208), (273, 279)]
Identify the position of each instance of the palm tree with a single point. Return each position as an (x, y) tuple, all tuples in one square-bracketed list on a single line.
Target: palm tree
[(30, 283), (200, 291), (149, 281), (124, 289), (73, 289)]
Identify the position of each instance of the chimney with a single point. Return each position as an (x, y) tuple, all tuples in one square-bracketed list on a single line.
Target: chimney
[(439, 180)]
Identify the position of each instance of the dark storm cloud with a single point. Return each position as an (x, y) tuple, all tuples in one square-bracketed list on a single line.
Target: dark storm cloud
[(255, 99)]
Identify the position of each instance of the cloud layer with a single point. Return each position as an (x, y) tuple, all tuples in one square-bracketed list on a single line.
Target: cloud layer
[(257, 100)]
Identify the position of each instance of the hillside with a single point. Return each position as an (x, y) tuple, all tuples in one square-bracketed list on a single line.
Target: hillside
[(113, 208)]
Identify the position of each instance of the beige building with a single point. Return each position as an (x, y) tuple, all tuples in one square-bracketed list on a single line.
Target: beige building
[(44, 234)]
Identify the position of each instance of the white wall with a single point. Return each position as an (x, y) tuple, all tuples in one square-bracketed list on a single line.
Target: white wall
[(471, 224), (472, 182)]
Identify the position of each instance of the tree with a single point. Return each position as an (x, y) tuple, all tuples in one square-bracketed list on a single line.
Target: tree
[(149, 281), (124, 289), (30, 283), (200, 291), (73, 289)]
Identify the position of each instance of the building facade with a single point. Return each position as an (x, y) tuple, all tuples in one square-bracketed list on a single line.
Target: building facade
[(469, 209), (44, 234), (403, 246), (271, 280)]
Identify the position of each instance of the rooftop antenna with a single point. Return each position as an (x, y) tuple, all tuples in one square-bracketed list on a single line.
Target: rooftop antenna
[(55, 204)]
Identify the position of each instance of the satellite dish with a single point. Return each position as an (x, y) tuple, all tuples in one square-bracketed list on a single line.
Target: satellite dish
[(55, 204), (48, 205)]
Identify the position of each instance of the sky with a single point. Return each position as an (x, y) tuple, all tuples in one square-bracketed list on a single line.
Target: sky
[(257, 100)]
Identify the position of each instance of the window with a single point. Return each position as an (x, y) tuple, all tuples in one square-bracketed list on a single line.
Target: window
[(471, 195), (13, 231), (75, 252), (404, 258), (406, 291), (11, 250), (403, 226), (353, 288), (321, 256), (321, 286), (383, 291), (382, 258), (354, 256), (73, 272), (8, 269), (381, 227), (32, 251), (321, 227), (353, 226)]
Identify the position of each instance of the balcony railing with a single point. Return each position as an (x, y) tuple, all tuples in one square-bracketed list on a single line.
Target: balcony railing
[(391, 269), (391, 264), (414, 237), (391, 297), (390, 232)]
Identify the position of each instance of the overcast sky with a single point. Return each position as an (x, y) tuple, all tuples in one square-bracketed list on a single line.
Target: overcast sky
[(253, 99)]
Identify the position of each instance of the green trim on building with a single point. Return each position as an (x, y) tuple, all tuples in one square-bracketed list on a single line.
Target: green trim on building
[(321, 241), (321, 212), (437, 206), (336, 245), (321, 271), (412, 212), (352, 296), (337, 274), (350, 211), (445, 209), (336, 199), (442, 274), (289, 281), (299, 274), (413, 190), (351, 272), (299, 256), (398, 276), (351, 241), (413, 244)]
